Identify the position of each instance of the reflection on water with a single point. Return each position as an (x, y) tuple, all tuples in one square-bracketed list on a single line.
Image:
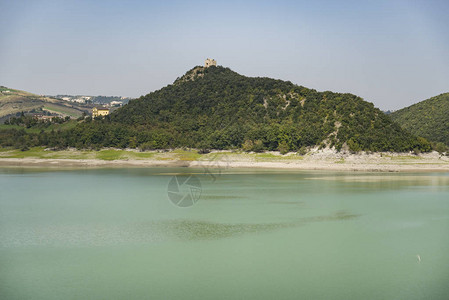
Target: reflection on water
[(148, 232), (382, 178), (366, 182), (200, 230)]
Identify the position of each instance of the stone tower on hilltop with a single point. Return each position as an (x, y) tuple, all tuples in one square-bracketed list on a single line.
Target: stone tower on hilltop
[(210, 62)]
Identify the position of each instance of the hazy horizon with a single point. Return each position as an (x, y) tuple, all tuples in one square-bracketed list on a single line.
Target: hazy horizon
[(391, 53)]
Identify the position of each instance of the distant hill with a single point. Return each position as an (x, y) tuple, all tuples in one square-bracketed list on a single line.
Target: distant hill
[(428, 118), (13, 102), (96, 100)]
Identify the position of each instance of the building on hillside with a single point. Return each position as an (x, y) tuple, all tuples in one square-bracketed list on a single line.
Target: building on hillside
[(210, 62), (116, 103), (37, 116), (47, 118), (42, 117), (100, 111), (79, 100)]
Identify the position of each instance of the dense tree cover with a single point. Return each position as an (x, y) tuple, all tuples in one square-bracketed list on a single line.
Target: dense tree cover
[(217, 108), (30, 121), (428, 118)]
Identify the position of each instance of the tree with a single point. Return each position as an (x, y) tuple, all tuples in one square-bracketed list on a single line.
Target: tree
[(354, 147), (441, 148), (283, 147)]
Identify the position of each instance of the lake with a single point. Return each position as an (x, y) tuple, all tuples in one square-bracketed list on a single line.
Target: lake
[(165, 233)]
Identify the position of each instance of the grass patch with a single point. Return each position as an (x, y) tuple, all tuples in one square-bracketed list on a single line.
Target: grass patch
[(18, 127), (265, 155), (40, 152), (63, 110), (273, 157), (64, 126), (3, 126), (35, 152), (187, 155), (110, 154), (142, 154), (403, 157)]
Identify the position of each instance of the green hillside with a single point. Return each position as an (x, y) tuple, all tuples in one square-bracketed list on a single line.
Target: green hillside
[(217, 108), (428, 118)]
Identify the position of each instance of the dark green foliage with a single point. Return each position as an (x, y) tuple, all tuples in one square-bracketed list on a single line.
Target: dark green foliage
[(302, 151), (441, 148), (256, 146), (428, 118), (216, 108), (283, 147), (29, 121), (354, 147), (18, 139)]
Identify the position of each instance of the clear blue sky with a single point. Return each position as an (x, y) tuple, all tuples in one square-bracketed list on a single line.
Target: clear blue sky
[(391, 53)]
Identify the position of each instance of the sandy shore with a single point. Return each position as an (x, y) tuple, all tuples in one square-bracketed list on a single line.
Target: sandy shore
[(318, 160)]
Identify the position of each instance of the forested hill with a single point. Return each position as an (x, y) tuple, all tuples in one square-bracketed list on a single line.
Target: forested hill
[(428, 118), (217, 108)]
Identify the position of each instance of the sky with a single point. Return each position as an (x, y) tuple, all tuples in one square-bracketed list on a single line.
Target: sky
[(391, 53)]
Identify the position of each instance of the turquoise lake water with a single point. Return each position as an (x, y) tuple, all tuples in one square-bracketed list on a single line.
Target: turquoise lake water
[(252, 234)]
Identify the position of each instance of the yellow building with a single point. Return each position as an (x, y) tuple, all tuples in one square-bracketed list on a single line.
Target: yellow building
[(100, 111)]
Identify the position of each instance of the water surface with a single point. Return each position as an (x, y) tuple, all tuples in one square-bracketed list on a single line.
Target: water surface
[(253, 234)]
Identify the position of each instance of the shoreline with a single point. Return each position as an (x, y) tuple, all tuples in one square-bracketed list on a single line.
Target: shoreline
[(350, 163), (315, 159)]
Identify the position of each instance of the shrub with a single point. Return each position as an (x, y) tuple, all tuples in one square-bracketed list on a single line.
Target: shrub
[(248, 146), (354, 147), (283, 147), (204, 147), (302, 150), (440, 148), (146, 146), (258, 146), (203, 151)]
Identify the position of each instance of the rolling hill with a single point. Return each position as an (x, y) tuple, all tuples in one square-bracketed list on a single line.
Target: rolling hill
[(14, 101), (428, 118)]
